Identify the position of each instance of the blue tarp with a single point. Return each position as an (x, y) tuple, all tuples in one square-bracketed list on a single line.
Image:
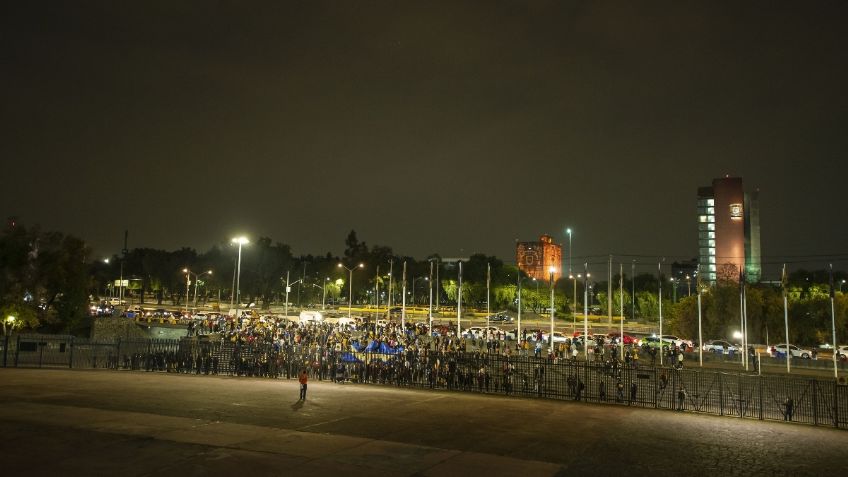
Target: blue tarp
[(383, 348), (359, 347), (350, 358)]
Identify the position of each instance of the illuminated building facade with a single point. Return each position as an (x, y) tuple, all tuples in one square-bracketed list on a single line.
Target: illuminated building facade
[(537, 258), (728, 231)]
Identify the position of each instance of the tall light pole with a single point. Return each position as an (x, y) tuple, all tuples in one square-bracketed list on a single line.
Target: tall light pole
[(377, 288), (324, 294), (350, 285), (536, 299), (240, 241), (551, 341), (413, 286), (586, 309), (518, 330), (430, 308), (389, 301), (488, 298), (459, 305), (574, 303), (574, 280), (196, 278), (633, 290), (833, 323), (621, 308), (659, 279), (403, 301), (288, 289)]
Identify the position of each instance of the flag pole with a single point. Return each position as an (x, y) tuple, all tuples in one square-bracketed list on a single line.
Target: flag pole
[(833, 322), (786, 320)]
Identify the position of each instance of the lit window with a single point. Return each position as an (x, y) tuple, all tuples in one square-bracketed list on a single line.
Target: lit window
[(711, 202)]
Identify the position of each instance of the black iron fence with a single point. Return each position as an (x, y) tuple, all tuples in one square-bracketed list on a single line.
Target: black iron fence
[(792, 398)]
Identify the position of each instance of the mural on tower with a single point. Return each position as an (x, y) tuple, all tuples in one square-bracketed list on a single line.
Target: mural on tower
[(537, 258)]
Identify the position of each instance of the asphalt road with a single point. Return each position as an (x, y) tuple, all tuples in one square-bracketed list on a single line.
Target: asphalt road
[(64, 422)]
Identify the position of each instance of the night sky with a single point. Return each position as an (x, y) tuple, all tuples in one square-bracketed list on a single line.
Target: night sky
[(432, 127)]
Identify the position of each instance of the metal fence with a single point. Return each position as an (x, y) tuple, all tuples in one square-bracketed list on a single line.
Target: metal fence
[(792, 398)]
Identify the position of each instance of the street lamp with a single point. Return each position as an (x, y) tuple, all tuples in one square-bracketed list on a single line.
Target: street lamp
[(188, 282), (674, 289), (240, 241), (551, 343), (350, 285), (840, 285), (288, 289), (536, 298), (413, 286), (11, 321), (586, 309), (324, 294)]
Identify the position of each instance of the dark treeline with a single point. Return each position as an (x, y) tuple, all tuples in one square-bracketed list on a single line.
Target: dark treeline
[(48, 279)]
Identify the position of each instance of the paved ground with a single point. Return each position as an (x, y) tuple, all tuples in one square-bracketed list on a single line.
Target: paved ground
[(63, 422)]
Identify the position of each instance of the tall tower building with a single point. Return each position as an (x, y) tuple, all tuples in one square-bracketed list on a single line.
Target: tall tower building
[(728, 231), (537, 258)]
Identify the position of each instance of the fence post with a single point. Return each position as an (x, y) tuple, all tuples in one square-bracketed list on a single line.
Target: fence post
[(5, 349), (739, 394), (71, 354), (760, 389), (118, 354), (835, 404), (656, 390), (815, 403), (721, 393), (17, 348)]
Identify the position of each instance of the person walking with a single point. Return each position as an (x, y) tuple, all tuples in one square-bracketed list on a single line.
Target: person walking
[(681, 399), (303, 379), (788, 409), (633, 392), (680, 360)]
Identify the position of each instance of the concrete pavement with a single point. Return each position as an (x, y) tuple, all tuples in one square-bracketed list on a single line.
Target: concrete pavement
[(67, 422)]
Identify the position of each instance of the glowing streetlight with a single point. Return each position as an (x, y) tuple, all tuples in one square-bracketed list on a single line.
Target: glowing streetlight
[(10, 320), (552, 270), (350, 285), (240, 241), (188, 282)]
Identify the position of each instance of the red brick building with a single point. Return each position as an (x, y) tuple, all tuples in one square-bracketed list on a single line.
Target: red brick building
[(537, 258)]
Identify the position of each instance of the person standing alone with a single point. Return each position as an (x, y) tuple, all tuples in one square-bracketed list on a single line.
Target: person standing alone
[(303, 378)]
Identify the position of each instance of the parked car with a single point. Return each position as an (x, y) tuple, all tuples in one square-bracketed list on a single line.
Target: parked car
[(501, 317), (579, 339), (628, 339), (679, 342), (719, 346), (654, 342), (780, 349)]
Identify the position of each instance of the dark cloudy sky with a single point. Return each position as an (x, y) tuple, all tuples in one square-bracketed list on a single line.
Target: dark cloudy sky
[(448, 127)]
